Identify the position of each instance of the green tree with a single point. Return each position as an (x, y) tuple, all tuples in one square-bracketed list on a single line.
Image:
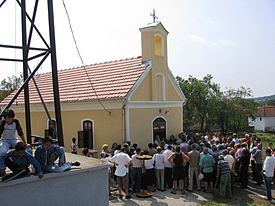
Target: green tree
[(210, 108), (271, 102), (201, 100), (240, 107), (8, 85)]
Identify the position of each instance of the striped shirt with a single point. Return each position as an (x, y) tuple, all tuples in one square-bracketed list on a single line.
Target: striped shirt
[(224, 167)]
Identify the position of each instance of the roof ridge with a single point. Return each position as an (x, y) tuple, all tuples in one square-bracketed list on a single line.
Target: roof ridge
[(93, 64), (112, 79)]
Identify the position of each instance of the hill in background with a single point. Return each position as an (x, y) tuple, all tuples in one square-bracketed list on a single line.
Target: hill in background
[(264, 99)]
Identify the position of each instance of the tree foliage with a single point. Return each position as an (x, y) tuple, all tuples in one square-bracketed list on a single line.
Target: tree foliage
[(209, 108), (8, 85)]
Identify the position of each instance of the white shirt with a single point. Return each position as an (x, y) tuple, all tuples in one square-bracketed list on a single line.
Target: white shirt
[(230, 159), (269, 166), (159, 161), (167, 153), (116, 152), (136, 163), (121, 159), (149, 164)]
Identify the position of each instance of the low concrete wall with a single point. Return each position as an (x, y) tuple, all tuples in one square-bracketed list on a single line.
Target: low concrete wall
[(79, 187)]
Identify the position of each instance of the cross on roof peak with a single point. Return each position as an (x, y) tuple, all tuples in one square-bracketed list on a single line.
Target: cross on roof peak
[(154, 16)]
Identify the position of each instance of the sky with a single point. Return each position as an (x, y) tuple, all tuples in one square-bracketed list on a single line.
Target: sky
[(232, 40)]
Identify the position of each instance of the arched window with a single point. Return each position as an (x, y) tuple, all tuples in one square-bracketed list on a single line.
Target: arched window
[(159, 129), (86, 136), (158, 45)]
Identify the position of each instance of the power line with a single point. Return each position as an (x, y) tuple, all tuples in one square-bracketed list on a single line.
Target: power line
[(81, 59)]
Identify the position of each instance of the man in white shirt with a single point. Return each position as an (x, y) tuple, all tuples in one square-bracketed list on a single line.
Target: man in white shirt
[(159, 169), (168, 180), (122, 162), (268, 173)]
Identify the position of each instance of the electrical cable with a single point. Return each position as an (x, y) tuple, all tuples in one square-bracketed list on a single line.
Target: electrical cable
[(81, 59)]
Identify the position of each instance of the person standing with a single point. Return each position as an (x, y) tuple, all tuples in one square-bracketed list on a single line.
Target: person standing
[(74, 146), (177, 159), (206, 164), (151, 149), (168, 180), (268, 173), (194, 156), (231, 162), (136, 171), (223, 171), (122, 161), (244, 163), (259, 163), (159, 169), (150, 174)]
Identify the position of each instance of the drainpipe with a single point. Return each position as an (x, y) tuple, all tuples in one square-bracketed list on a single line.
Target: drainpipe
[(123, 120)]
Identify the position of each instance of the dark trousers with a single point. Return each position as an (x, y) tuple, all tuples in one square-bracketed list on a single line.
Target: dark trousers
[(268, 181), (150, 178), (168, 179), (244, 176), (137, 178), (259, 178), (232, 182), (253, 165), (15, 168)]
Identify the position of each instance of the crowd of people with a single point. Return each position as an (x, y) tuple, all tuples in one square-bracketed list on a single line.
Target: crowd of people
[(211, 163)]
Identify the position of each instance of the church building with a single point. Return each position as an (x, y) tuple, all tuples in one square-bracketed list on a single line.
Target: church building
[(132, 99)]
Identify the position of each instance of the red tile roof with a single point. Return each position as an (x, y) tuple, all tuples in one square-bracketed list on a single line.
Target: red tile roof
[(111, 80), (266, 111)]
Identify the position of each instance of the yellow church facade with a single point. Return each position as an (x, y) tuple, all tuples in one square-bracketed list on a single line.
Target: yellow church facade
[(132, 100)]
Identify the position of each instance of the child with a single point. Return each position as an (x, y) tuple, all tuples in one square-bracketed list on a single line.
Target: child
[(47, 153), (18, 161), (8, 129), (74, 146)]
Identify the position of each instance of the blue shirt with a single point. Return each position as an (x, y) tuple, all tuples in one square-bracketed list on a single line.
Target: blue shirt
[(24, 161), (207, 162), (43, 156)]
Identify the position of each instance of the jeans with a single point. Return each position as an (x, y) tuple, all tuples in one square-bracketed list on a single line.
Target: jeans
[(268, 181), (193, 171), (160, 178), (137, 177), (62, 165), (5, 145)]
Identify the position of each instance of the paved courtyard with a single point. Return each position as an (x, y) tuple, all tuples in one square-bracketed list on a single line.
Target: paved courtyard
[(162, 199)]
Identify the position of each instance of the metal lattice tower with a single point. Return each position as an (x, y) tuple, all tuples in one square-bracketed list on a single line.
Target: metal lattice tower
[(47, 50)]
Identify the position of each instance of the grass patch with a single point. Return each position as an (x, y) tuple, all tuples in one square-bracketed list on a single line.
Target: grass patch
[(240, 198), (266, 138)]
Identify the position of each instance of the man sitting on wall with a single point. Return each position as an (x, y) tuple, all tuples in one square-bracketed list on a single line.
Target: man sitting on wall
[(18, 161), (47, 153)]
